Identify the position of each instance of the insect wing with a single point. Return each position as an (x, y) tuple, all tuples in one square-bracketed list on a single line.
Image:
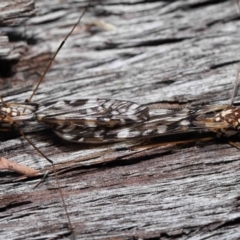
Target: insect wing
[(158, 125), (91, 113)]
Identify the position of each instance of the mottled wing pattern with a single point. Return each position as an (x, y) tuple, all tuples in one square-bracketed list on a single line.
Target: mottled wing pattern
[(146, 129), (101, 120), (79, 120), (108, 120), (93, 113), (208, 118)]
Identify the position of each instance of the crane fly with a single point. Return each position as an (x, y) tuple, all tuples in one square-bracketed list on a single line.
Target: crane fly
[(110, 120), (98, 121)]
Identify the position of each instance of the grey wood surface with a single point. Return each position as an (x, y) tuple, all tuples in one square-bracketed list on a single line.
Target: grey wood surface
[(175, 52)]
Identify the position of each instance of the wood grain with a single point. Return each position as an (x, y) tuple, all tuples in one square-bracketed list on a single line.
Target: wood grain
[(175, 52)]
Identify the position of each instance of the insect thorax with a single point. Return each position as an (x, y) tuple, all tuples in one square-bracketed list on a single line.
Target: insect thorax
[(229, 120), (12, 114), (231, 116), (7, 113)]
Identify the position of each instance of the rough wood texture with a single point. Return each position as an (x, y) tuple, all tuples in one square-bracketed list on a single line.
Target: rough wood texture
[(13, 13), (163, 51)]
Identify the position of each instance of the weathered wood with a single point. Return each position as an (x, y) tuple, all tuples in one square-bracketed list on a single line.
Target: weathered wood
[(13, 15), (15, 12), (172, 52)]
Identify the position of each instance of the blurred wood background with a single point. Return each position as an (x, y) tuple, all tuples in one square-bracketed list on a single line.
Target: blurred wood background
[(175, 52)]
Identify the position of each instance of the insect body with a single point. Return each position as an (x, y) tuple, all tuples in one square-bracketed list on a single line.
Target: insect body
[(104, 120), (108, 120), (226, 120), (73, 119)]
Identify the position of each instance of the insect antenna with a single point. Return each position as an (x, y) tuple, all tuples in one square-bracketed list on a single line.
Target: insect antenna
[(55, 54), (56, 177), (29, 100), (236, 83)]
